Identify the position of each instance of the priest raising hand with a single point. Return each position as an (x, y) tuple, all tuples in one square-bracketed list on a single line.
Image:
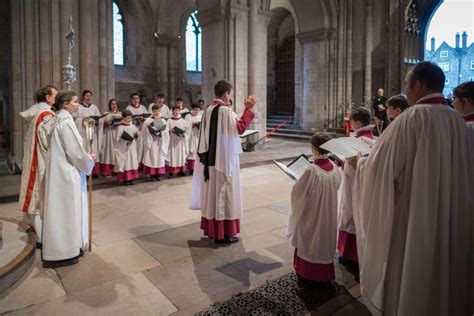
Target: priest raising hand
[(250, 102)]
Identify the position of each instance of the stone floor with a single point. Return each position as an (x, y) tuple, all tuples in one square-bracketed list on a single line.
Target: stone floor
[(149, 256)]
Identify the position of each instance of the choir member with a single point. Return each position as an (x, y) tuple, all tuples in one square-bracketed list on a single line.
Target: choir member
[(396, 105), (137, 109), (216, 181), (346, 243), (178, 148), (194, 121), (164, 109), (463, 103), (65, 231), (109, 134), (87, 110), (312, 223), (156, 139), (35, 151), (182, 109), (414, 215), (126, 160)]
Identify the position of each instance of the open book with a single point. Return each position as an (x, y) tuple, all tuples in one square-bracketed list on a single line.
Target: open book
[(248, 132), (296, 168), (347, 147)]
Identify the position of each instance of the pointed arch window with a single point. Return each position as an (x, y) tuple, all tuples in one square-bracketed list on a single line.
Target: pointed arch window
[(119, 35), (193, 44)]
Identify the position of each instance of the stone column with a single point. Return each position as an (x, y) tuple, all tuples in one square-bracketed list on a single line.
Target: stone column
[(348, 30), (257, 64), (317, 50), (368, 52), (85, 46)]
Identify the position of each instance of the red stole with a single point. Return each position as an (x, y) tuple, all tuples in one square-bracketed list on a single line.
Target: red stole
[(365, 132), (434, 100), (86, 105), (469, 118)]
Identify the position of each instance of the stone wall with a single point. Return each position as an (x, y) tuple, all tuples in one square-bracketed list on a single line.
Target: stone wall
[(5, 74)]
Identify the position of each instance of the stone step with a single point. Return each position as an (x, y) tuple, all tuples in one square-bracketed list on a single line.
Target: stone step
[(291, 136), (292, 132), (284, 127)]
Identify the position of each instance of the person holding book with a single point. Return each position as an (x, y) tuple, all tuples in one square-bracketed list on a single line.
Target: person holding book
[(108, 130), (346, 241), (160, 101), (414, 216), (312, 222), (194, 122), (396, 105), (179, 147), (126, 161), (88, 113), (156, 140), (137, 111), (182, 109), (216, 181)]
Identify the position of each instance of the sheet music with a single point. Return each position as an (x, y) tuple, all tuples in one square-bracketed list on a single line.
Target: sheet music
[(346, 147), (248, 132), (296, 168)]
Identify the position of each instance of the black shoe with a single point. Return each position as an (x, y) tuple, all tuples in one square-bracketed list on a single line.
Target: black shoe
[(130, 182), (181, 174), (191, 172), (39, 245), (125, 183), (95, 176), (153, 179), (227, 240), (157, 177)]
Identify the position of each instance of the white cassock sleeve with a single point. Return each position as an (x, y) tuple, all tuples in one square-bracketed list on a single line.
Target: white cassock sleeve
[(299, 198), (74, 150)]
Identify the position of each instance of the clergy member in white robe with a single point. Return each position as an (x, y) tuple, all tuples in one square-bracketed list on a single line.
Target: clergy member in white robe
[(312, 222), (346, 240), (35, 153), (165, 111), (178, 146), (464, 104), (216, 181), (126, 160), (108, 130), (137, 109), (194, 121), (413, 214), (156, 140), (86, 110), (65, 230)]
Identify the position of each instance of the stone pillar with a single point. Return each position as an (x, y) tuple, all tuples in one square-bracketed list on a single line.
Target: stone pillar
[(348, 30), (318, 46), (257, 64), (368, 52), (85, 46)]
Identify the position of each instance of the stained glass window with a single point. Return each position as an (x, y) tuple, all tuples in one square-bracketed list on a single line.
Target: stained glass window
[(193, 43), (118, 36)]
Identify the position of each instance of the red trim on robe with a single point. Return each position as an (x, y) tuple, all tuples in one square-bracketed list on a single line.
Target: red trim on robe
[(219, 229), (347, 245), (176, 118), (191, 163), (175, 170), (128, 175), (34, 163), (365, 132), (469, 118), (153, 171), (96, 169), (245, 121), (319, 272), (106, 169), (324, 163)]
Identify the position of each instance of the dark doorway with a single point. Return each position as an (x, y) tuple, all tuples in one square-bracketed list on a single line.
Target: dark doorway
[(285, 78)]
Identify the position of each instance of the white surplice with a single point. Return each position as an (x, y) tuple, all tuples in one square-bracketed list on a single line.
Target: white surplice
[(137, 110), (165, 111), (109, 136), (219, 198), (413, 215), (193, 135), (155, 150), (126, 154), (65, 225), (178, 147), (312, 222), (86, 111)]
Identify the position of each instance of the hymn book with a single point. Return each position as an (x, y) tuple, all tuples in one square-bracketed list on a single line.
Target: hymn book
[(347, 147), (248, 132), (296, 168), (126, 136), (178, 131)]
